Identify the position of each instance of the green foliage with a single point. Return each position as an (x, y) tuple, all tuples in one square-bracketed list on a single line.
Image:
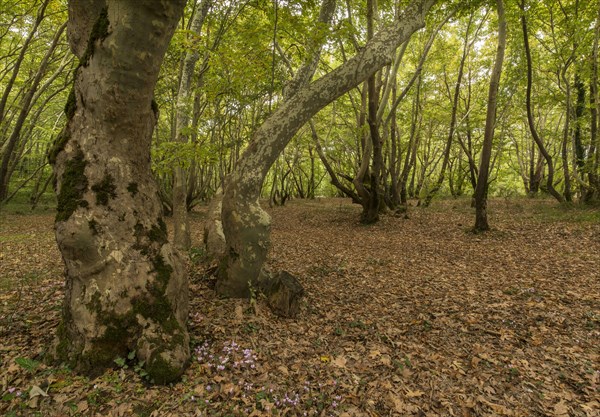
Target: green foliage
[(29, 365)]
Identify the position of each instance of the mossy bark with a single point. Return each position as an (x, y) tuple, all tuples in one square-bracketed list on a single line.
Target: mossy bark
[(126, 289)]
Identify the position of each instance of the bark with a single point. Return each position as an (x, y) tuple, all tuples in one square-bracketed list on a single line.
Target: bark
[(371, 205), (184, 108), (567, 193), (539, 142), (245, 224), (126, 289), (481, 222)]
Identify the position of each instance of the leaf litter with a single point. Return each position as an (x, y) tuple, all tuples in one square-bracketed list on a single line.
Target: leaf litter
[(410, 316)]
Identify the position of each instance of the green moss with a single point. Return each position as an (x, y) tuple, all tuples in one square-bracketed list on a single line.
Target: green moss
[(163, 270), (62, 348), (95, 304), (99, 32), (57, 147), (160, 371), (73, 185), (105, 190), (158, 233), (132, 187), (154, 107), (93, 225), (71, 105)]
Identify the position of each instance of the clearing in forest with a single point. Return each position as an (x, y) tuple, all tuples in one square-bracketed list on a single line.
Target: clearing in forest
[(410, 316)]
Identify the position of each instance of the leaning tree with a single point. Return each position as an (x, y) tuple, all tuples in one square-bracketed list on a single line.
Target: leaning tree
[(245, 225), (126, 290)]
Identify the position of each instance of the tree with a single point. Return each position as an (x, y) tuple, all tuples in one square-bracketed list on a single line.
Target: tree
[(182, 126), (539, 142), (481, 221), (126, 288), (245, 223)]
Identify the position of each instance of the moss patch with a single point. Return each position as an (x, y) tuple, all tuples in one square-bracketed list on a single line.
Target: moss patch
[(93, 225), (160, 371), (99, 32), (158, 233), (154, 107), (105, 190), (132, 187), (59, 144), (71, 105), (73, 185)]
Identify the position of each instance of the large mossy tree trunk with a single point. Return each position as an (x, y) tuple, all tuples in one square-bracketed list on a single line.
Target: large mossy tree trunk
[(245, 224), (126, 289)]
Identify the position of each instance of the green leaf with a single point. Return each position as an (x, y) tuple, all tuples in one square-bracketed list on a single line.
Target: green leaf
[(27, 364), (121, 362)]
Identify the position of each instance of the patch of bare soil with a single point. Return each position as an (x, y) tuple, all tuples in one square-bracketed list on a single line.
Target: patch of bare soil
[(410, 316)]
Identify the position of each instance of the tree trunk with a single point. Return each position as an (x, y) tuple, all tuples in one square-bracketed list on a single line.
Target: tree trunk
[(184, 108), (126, 290), (567, 193), (531, 122), (371, 205), (481, 221), (245, 224), (412, 147), (433, 191)]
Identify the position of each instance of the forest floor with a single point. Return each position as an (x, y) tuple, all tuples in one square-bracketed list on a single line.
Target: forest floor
[(410, 316)]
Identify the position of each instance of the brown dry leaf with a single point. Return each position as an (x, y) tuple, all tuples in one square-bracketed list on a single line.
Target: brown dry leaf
[(82, 406), (561, 409), (340, 361), (413, 394), (496, 408), (390, 313)]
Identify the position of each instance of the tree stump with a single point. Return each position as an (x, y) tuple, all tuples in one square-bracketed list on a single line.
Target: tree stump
[(283, 292)]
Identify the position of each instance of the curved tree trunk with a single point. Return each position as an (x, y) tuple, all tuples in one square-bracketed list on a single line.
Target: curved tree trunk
[(245, 224), (481, 222), (534, 133), (126, 289)]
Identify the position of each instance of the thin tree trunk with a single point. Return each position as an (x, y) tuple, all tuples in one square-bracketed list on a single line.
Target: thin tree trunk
[(438, 184), (481, 220), (567, 193), (531, 122), (181, 224)]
